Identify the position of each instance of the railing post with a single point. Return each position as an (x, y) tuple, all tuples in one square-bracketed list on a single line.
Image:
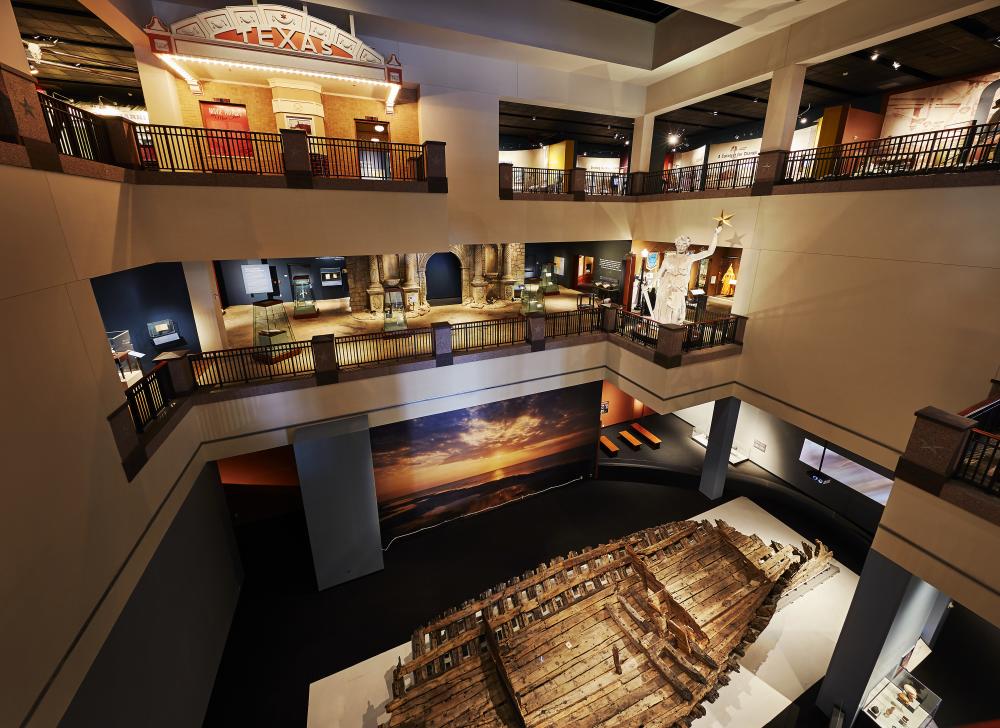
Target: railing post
[(435, 170), (669, 345), (637, 183), (934, 449), (704, 172), (324, 349), (578, 183), (131, 451), (609, 317), (22, 119), (295, 155), (180, 374), (741, 329), (121, 137), (534, 329), (770, 170), (506, 181), (441, 331)]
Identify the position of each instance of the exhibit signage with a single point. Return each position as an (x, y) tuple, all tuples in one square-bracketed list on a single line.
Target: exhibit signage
[(257, 279)]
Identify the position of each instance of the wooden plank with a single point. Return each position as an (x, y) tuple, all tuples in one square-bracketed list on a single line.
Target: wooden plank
[(630, 439), (653, 440)]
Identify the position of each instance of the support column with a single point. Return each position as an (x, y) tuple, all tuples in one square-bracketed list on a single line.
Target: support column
[(376, 294), (642, 143), (411, 286), (159, 90), (890, 610), (203, 290), (779, 125), (478, 281), (720, 443), (11, 47), (507, 272)]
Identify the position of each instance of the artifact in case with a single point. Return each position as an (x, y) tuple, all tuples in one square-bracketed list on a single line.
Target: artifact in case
[(271, 326), (304, 303), (532, 297)]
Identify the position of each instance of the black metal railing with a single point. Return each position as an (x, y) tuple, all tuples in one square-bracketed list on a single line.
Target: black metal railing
[(986, 414), (637, 328), (359, 350), (148, 397), (946, 150), (357, 159), (706, 334), (572, 323), (190, 149), (540, 181), (252, 363), (473, 335), (980, 462), (728, 174), (76, 132), (607, 183)]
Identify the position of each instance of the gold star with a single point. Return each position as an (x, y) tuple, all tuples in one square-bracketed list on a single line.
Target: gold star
[(723, 219)]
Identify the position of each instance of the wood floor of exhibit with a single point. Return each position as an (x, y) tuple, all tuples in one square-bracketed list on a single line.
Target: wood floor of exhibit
[(638, 631)]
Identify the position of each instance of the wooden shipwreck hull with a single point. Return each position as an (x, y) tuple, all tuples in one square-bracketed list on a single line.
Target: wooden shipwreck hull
[(636, 632)]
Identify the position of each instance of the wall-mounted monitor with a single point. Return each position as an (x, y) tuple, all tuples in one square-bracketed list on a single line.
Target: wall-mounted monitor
[(257, 279)]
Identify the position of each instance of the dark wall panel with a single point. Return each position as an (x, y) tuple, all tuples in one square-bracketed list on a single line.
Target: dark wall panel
[(132, 298), (158, 665), (536, 254), (236, 294)]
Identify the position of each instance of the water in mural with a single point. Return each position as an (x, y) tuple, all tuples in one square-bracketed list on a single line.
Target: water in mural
[(444, 466)]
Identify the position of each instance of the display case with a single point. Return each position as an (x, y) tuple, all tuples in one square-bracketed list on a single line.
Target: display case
[(163, 332), (547, 283), (271, 326), (902, 701), (304, 303), (394, 311), (532, 297)]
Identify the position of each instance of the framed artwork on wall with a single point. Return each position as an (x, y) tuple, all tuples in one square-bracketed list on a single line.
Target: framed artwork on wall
[(226, 116)]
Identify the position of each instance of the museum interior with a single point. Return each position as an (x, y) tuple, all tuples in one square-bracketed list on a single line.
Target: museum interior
[(539, 363)]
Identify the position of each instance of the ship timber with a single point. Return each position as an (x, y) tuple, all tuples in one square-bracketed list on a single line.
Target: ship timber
[(638, 631)]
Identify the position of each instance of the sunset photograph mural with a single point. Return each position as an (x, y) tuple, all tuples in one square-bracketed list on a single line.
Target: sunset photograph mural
[(436, 468)]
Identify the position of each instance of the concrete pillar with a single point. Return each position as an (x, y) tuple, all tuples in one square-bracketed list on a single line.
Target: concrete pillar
[(334, 461), (779, 125), (642, 143), (376, 293), (180, 375), (11, 48), (578, 183), (609, 317), (888, 613), (506, 181), (203, 290), (443, 356), (669, 345), (934, 449), (534, 327), (435, 171), (296, 159), (159, 90), (720, 442), (324, 351)]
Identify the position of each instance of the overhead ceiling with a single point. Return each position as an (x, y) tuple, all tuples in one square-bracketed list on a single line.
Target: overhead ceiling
[(650, 10), (960, 48), (81, 57), (524, 125)]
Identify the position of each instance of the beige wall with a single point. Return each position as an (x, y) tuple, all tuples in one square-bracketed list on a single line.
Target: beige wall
[(257, 99), (341, 111)]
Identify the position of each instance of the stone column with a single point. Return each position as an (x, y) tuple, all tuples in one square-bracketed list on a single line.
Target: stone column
[(376, 294), (410, 283), (507, 271), (779, 125), (479, 282), (720, 443)]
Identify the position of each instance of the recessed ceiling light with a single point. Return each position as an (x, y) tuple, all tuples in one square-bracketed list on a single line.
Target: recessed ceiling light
[(874, 55), (896, 65)]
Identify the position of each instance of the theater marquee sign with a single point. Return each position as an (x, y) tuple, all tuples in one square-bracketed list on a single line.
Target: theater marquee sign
[(266, 26)]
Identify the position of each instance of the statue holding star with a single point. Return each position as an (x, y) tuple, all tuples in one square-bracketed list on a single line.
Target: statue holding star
[(674, 273)]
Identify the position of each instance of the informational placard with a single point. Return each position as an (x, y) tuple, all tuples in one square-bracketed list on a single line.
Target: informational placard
[(257, 279)]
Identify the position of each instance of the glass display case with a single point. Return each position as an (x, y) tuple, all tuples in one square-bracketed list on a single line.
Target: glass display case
[(163, 332), (547, 282), (304, 303), (271, 326), (902, 701), (395, 313), (532, 297)]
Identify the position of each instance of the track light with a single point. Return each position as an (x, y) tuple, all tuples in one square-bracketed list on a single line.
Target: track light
[(627, 142), (874, 55), (896, 65)]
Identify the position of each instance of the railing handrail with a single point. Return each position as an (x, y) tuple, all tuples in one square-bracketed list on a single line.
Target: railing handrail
[(541, 169), (413, 145), (895, 139)]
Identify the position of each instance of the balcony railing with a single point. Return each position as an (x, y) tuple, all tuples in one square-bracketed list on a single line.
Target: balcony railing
[(187, 149), (76, 132), (148, 397), (572, 323), (356, 159), (706, 334), (539, 181), (360, 350), (980, 462), (607, 183), (728, 174), (947, 150), (474, 335), (639, 329), (252, 364)]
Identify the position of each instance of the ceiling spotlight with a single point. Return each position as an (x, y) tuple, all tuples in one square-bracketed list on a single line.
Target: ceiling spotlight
[(802, 120), (896, 65), (874, 55), (379, 128), (627, 142), (533, 118), (715, 113), (673, 139), (756, 100)]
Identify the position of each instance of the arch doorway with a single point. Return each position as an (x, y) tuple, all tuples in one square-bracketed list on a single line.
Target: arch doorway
[(444, 279)]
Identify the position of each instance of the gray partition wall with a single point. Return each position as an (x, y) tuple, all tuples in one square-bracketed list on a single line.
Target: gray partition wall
[(334, 460)]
